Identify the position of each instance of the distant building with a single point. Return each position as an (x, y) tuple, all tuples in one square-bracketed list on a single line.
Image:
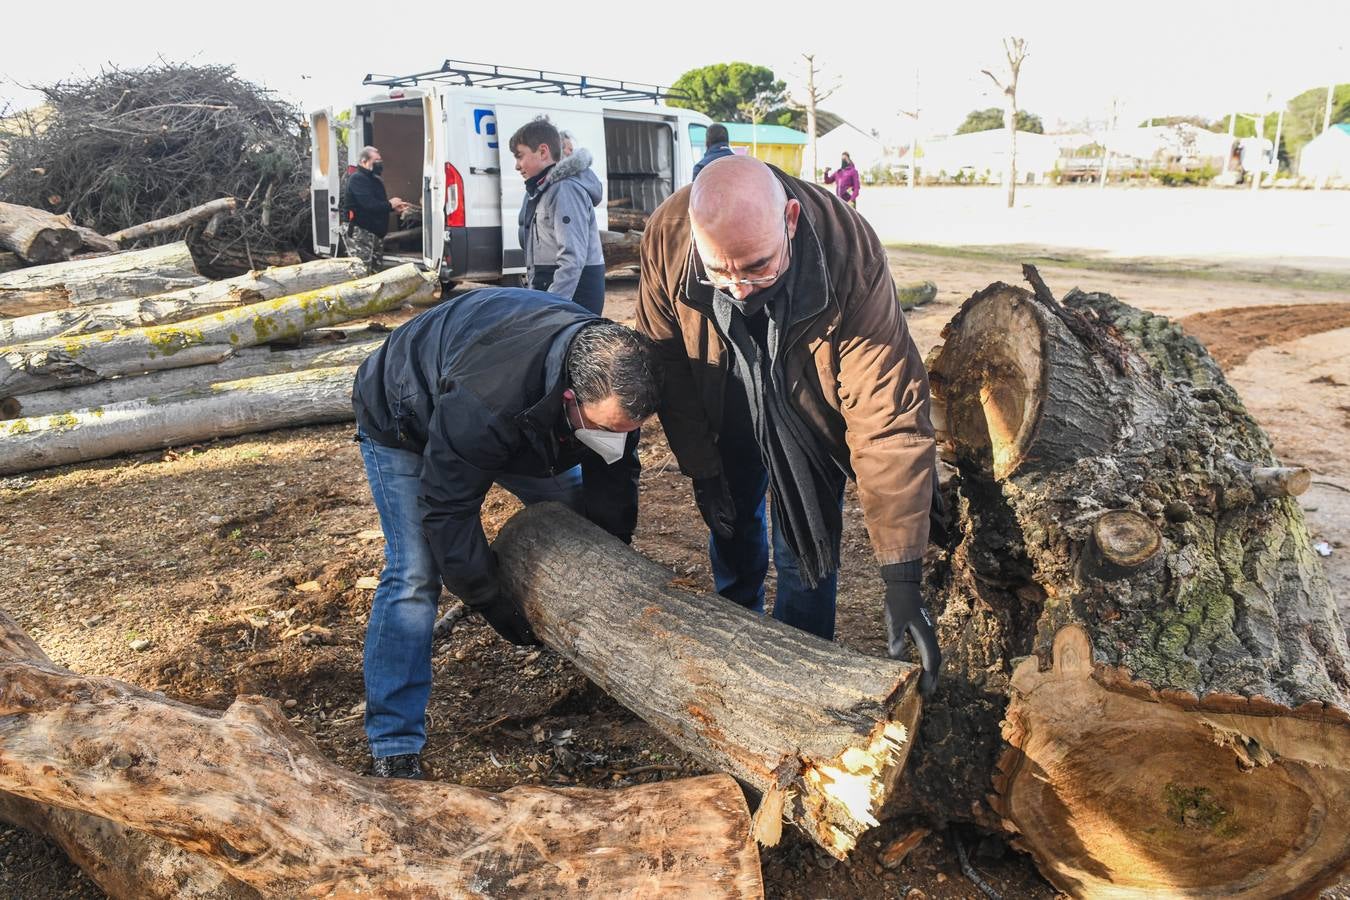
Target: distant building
[(1326, 158), (775, 144)]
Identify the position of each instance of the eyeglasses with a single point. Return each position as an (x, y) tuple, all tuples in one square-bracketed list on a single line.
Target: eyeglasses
[(757, 281)]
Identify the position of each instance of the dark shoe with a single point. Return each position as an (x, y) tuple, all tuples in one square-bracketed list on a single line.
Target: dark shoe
[(405, 765)]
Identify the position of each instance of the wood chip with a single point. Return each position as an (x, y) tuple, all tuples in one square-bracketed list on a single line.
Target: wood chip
[(895, 852), (370, 534), (367, 582), (308, 587)]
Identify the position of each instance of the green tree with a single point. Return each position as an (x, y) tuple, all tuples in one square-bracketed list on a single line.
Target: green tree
[(723, 91), (992, 118), (1197, 121), (1303, 116)]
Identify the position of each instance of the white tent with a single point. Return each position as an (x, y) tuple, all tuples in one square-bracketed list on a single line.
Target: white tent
[(986, 152), (1327, 156), (865, 150)]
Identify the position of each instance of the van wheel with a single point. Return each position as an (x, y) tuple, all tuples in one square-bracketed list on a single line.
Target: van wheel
[(511, 281)]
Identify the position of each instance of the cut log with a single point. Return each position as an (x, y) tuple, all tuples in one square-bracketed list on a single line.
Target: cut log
[(627, 220), (247, 794), (250, 362), (163, 309), (821, 731), (100, 279), (61, 362), (1139, 647), (92, 241), (123, 862), (916, 294), (620, 250), (35, 235), (174, 222)]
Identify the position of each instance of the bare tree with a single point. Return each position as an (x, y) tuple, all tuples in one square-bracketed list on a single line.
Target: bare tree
[(814, 95), (1016, 50), (757, 109)]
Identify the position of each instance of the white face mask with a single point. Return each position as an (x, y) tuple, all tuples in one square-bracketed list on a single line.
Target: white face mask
[(609, 444)]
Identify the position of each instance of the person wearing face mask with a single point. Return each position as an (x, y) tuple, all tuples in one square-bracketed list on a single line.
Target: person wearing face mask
[(789, 370), (365, 210), (504, 386), (846, 182)]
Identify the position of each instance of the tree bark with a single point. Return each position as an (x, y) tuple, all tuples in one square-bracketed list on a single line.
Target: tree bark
[(627, 220), (35, 235), (251, 362), (188, 303), (910, 295), (821, 731), (174, 222), (123, 862), (1139, 647), (100, 279), (62, 362), (621, 250), (245, 793)]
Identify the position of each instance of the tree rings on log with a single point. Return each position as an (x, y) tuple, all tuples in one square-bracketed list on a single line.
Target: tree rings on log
[(1122, 793), (1125, 543)]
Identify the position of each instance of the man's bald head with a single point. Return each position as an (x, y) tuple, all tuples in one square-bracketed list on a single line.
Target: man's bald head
[(737, 214)]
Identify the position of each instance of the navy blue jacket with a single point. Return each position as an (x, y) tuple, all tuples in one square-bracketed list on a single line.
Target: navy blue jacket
[(365, 202), (715, 152), (475, 386)]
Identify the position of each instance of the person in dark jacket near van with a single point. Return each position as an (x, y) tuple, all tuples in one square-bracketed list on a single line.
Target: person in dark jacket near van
[(719, 146), (365, 210), (503, 385), (558, 229)]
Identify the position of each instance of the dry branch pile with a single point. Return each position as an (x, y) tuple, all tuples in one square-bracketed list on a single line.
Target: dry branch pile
[(127, 147)]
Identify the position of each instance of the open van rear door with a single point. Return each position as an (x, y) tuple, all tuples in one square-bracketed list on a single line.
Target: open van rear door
[(324, 180), (442, 198)]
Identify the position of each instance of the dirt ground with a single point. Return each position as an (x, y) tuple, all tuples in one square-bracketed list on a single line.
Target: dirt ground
[(218, 555)]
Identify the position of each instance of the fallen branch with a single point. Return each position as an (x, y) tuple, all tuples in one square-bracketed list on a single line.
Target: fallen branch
[(174, 222)]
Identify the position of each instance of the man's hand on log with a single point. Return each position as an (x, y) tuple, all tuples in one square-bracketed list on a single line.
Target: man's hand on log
[(713, 496), (500, 610), (906, 615)]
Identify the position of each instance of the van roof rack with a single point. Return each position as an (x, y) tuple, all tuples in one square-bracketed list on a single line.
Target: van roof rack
[(539, 81)]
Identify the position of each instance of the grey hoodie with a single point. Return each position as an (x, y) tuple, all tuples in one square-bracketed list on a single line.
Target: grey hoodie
[(557, 224)]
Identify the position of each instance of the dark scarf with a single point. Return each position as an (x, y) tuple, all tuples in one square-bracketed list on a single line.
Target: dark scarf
[(803, 478)]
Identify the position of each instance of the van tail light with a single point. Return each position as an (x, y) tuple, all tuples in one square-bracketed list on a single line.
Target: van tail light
[(454, 197)]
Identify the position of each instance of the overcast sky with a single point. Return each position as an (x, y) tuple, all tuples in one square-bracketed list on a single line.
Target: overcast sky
[(1159, 58)]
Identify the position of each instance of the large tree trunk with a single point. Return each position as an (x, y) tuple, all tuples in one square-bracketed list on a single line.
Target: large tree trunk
[(123, 862), (249, 795), (223, 409), (620, 250), (37, 236), (251, 362), (821, 731), (224, 205), (99, 279), (1145, 677), (163, 309), (627, 220), (61, 362)]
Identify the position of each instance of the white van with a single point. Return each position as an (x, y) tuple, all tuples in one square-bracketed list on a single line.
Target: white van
[(443, 138)]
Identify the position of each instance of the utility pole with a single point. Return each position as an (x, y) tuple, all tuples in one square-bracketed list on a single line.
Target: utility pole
[(914, 145), (1106, 143), (1326, 116), (1232, 132), (1275, 151)]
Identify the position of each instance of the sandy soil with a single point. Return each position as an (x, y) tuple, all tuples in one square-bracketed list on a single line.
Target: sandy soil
[(202, 550)]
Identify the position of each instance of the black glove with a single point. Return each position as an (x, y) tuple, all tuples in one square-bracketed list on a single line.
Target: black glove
[(713, 496), (906, 615), (500, 611)]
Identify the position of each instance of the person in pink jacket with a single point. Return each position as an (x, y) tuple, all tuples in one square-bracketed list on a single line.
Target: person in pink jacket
[(846, 182)]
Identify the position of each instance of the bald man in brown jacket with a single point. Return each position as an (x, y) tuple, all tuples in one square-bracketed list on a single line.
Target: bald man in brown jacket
[(789, 368)]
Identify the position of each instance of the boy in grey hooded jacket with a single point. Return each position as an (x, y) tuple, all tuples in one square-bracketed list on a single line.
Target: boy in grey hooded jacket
[(558, 229)]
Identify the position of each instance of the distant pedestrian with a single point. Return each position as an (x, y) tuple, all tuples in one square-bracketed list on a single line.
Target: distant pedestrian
[(719, 146), (365, 210), (846, 182)]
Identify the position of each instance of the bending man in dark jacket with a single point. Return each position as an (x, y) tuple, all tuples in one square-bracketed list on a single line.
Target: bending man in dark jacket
[(510, 386), (366, 209), (788, 368)]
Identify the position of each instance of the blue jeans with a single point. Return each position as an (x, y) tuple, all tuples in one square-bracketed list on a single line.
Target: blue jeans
[(398, 637), (741, 562)]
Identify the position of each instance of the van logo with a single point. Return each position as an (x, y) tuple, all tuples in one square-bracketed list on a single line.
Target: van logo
[(485, 123)]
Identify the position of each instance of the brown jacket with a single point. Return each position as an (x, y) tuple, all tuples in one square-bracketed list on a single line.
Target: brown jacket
[(856, 375)]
